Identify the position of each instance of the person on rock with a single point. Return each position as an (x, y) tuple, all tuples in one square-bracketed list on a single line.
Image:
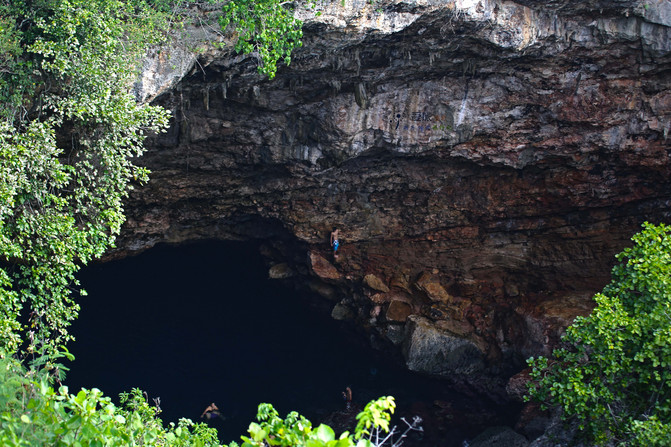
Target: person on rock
[(347, 395), (335, 242), (211, 412)]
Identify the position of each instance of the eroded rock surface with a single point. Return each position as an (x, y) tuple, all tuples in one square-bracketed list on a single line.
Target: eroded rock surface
[(436, 352), (484, 160)]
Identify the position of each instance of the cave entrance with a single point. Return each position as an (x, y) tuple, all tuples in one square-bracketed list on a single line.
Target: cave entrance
[(201, 323)]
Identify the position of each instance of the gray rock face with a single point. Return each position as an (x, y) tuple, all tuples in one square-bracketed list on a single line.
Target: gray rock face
[(162, 70), (432, 351), (508, 148)]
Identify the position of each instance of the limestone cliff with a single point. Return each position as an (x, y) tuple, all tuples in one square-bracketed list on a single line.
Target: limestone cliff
[(483, 159)]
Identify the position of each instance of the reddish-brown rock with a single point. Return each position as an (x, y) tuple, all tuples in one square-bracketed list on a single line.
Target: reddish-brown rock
[(398, 311), (379, 298), (375, 283), (500, 155), (430, 285), (322, 268)]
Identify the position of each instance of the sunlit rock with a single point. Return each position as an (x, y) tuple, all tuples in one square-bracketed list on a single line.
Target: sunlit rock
[(375, 283), (430, 285)]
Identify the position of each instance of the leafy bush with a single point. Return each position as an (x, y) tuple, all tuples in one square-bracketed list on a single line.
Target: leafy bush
[(372, 429), (613, 373), (70, 129), (33, 413)]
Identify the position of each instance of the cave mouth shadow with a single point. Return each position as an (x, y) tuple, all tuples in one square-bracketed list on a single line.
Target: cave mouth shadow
[(201, 323)]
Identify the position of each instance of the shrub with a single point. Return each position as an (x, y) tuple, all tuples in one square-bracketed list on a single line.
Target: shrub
[(613, 372)]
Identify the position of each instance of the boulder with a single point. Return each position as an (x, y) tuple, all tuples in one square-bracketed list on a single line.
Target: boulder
[(280, 271), (517, 385), (398, 311), (401, 282), (430, 284), (322, 289), (394, 333), (341, 312), (430, 350), (375, 283), (394, 295), (559, 433), (379, 298), (323, 268), (533, 421), (457, 327)]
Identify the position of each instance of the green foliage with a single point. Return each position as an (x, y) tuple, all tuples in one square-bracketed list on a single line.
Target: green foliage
[(33, 413), (266, 28), (650, 432), (614, 372), (376, 414), (69, 130), (295, 430)]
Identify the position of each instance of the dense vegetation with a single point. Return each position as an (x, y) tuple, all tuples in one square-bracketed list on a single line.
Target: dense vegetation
[(613, 374), (33, 413), (70, 128)]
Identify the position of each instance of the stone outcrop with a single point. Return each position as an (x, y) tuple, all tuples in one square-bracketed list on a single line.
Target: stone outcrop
[(430, 350), (280, 271), (323, 268), (375, 283), (483, 159)]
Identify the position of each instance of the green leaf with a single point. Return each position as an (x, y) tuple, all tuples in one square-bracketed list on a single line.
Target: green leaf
[(325, 433)]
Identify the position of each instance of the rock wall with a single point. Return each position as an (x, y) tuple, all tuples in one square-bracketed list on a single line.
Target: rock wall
[(483, 160)]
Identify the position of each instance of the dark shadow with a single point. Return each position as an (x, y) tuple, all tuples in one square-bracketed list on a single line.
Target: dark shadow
[(201, 323)]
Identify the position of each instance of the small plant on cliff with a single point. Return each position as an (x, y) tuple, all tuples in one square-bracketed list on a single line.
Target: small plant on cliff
[(266, 28), (613, 374)]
